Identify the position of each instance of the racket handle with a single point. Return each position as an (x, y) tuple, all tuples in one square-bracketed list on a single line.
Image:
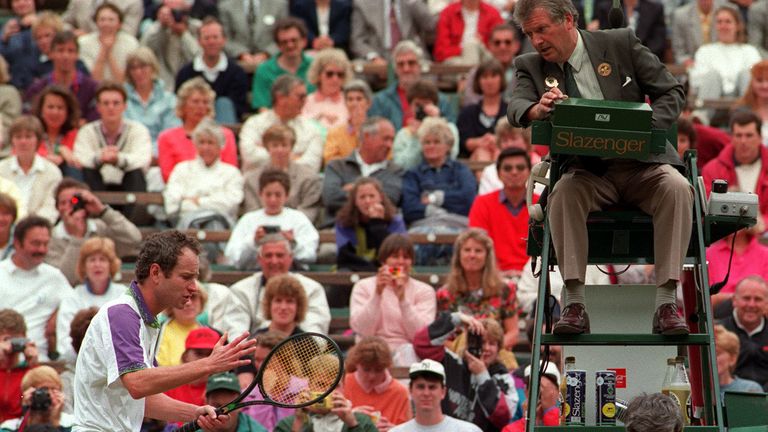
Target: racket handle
[(188, 427)]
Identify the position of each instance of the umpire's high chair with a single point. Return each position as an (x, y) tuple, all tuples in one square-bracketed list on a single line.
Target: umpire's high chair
[(626, 237)]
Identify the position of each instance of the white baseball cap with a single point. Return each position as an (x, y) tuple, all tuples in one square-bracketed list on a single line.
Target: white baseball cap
[(427, 366), (550, 371)]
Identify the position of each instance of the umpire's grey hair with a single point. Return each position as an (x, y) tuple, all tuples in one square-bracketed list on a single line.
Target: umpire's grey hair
[(653, 412), (557, 9), (406, 46)]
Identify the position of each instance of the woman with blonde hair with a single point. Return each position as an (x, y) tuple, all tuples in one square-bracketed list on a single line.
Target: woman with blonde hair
[(194, 102), (475, 287), (97, 266), (329, 71), (148, 102), (727, 347), (181, 321), (44, 379)]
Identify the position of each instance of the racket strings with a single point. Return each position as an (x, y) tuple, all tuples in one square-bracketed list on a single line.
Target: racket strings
[(301, 370)]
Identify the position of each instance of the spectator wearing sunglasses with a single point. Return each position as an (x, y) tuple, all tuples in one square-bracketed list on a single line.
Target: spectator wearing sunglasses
[(503, 44), (329, 71), (503, 214)]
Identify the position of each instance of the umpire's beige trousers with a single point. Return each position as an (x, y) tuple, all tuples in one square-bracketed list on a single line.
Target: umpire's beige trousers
[(659, 190)]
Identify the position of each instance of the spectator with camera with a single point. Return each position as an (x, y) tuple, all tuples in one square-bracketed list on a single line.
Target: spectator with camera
[(82, 215), (274, 217), (423, 98), (32, 287), (334, 412), (42, 402), (480, 389), (17, 355), (392, 304), (390, 103)]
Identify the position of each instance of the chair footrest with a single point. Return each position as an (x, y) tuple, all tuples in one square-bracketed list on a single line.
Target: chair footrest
[(624, 339)]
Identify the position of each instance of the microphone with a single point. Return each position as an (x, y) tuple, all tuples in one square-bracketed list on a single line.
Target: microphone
[(616, 15)]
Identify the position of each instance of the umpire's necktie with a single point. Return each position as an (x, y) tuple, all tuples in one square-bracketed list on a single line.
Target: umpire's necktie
[(571, 89)]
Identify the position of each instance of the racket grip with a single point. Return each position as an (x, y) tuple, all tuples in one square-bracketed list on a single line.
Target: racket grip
[(188, 427)]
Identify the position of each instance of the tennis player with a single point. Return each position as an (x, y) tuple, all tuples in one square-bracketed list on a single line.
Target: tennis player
[(117, 380)]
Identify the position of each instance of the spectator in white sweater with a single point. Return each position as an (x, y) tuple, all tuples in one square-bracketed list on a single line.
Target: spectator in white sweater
[(273, 217), (35, 176), (289, 93), (204, 184), (114, 152)]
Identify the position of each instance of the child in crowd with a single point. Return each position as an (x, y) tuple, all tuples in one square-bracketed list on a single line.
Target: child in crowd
[(273, 217)]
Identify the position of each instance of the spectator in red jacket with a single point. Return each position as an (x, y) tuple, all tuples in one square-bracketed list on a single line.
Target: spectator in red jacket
[(13, 346), (743, 164), (463, 30)]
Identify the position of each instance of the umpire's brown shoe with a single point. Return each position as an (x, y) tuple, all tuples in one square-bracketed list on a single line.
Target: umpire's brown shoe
[(573, 320), (667, 322)]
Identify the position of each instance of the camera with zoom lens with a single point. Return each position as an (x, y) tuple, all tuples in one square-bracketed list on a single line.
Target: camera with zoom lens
[(41, 399)]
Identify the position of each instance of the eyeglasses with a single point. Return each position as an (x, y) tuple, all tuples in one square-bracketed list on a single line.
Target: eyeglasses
[(500, 42), (518, 167), (331, 74)]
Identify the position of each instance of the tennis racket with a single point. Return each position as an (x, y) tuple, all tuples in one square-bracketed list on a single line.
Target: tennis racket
[(300, 371)]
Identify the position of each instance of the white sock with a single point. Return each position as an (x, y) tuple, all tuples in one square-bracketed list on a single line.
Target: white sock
[(575, 292), (666, 293)]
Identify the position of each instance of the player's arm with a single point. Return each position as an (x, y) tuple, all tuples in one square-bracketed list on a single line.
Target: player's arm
[(149, 381)]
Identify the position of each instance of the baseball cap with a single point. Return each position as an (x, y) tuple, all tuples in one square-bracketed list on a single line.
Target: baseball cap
[(201, 338), (427, 367), (223, 381), (550, 372)]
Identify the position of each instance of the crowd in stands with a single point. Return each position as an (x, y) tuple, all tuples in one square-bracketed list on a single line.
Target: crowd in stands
[(257, 117)]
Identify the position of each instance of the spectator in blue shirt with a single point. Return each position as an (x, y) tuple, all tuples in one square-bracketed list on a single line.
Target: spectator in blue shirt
[(437, 193)]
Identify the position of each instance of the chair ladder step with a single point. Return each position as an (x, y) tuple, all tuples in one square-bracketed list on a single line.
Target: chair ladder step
[(618, 339)]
